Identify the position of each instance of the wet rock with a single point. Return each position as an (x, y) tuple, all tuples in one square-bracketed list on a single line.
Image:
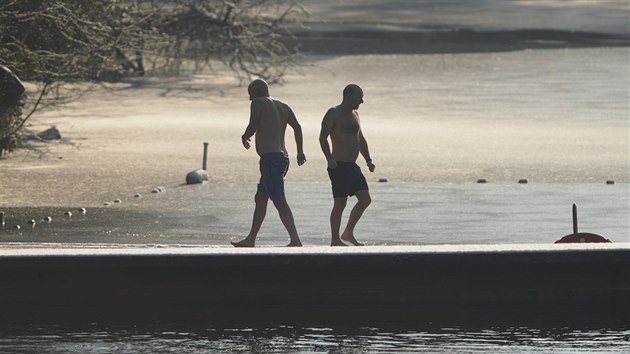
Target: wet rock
[(50, 134)]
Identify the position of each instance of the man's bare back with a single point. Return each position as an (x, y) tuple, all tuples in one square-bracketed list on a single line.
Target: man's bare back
[(273, 116), (268, 120)]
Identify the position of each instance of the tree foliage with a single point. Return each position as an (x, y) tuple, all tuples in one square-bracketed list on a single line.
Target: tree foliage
[(67, 40), (50, 43)]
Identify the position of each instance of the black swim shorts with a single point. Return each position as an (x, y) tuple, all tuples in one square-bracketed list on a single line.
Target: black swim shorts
[(346, 179)]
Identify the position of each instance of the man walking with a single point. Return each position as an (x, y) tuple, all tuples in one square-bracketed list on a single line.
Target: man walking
[(342, 124), (268, 121)]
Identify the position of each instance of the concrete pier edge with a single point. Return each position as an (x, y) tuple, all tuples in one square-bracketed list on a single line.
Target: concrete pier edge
[(583, 284)]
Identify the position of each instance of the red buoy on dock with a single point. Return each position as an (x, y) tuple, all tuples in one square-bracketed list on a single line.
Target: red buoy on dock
[(580, 237)]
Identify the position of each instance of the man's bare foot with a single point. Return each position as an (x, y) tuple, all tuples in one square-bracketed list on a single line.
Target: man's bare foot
[(337, 242), (351, 239), (295, 244), (243, 243)]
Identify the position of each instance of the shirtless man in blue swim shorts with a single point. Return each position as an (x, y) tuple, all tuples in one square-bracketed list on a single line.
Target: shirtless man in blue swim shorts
[(342, 124), (268, 120)]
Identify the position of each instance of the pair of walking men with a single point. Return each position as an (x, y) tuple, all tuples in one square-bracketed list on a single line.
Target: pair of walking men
[(268, 120)]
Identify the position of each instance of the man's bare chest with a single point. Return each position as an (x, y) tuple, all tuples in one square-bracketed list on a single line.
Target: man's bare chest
[(347, 125)]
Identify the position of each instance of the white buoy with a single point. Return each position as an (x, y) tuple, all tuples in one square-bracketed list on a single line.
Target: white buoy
[(117, 201), (68, 213), (137, 195), (17, 227), (199, 176), (48, 219), (196, 176), (107, 204)]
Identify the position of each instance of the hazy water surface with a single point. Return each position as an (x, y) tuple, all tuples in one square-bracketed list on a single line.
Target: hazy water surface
[(435, 124)]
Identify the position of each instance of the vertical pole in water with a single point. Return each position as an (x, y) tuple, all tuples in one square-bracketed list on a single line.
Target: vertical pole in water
[(205, 156), (575, 227)]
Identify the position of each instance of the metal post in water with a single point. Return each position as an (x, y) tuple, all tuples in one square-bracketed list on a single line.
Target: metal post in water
[(575, 221), (205, 157)]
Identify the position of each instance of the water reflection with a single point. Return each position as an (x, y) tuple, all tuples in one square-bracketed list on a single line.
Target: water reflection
[(296, 339)]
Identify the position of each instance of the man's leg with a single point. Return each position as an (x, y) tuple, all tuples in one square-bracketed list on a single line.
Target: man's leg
[(261, 199), (286, 216), (363, 201), (335, 220)]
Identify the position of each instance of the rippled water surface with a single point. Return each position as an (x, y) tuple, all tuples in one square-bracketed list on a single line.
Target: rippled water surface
[(296, 339)]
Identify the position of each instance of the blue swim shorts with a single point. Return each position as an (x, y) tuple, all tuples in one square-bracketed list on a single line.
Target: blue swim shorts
[(273, 167)]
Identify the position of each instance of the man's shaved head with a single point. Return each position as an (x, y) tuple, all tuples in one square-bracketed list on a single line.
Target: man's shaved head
[(352, 96), (352, 89)]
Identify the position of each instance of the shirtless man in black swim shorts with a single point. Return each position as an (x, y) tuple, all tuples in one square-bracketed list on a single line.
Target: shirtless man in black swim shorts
[(268, 120), (342, 124)]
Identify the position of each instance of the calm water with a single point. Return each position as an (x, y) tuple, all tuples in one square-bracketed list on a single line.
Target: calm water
[(401, 213)]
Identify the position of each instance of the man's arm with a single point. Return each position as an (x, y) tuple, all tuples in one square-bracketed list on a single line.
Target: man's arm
[(299, 139), (365, 151), (254, 119), (327, 127)]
